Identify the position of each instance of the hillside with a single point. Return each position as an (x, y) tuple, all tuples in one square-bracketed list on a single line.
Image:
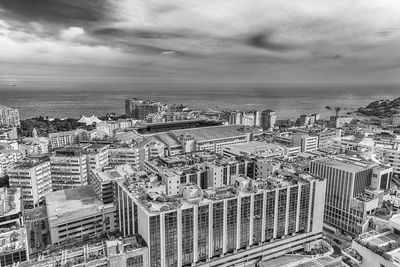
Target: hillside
[(381, 108)]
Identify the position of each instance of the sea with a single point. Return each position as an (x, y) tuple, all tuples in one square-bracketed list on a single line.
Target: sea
[(73, 99)]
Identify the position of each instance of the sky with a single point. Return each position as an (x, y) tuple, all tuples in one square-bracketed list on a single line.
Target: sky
[(266, 41)]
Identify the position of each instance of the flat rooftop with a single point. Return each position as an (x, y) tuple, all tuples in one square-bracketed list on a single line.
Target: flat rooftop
[(347, 163), (12, 241), (211, 133), (72, 203), (10, 201), (256, 147)]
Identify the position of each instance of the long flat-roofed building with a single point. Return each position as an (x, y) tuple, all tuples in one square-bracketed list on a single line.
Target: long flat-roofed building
[(78, 213), (223, 226), (255, 149), (212, 139)]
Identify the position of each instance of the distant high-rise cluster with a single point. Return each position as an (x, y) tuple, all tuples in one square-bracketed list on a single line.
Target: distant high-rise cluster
[(139, 109), (9, 116)]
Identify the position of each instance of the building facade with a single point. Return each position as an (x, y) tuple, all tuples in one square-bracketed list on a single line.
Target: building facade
[(225, 226), (346, 181), (34, 178), (268, 119), (77, 213), (68, 168)]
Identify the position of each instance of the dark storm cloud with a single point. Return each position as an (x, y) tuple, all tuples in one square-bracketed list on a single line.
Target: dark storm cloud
[(141, 34), (217, 37), (57, 11), (264, 41)]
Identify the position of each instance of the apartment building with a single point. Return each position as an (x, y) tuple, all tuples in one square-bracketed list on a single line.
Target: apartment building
[(124, 155), (69, 168), (307, 142), (97, 156), (139, 109), (8, 158), (9, 116), (34, 178)]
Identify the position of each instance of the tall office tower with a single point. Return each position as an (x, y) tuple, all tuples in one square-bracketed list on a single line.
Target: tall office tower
[(268, 119), (34, 177), (9, 116), (68, 168), (347, 202), (222, 226)]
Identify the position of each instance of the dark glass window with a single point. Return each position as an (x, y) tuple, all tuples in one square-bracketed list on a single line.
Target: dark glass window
[(171, 239), (245, 222), (187, 236), (202, 219), (231, 228), (270, 215), (218, 234), (155, 243), (257, 220)]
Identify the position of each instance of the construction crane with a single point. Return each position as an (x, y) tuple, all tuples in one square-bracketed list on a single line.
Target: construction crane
[(337, 109)]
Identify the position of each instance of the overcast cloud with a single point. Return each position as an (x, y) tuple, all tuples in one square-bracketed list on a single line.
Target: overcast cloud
[(192, 40)]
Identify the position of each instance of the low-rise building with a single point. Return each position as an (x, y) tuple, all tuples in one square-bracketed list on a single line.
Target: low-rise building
[(13, 247), (78, 213), (102, 181), (124, 155), (8, 133), (305, 141), (8, 158), (374, 249), (254, 149)]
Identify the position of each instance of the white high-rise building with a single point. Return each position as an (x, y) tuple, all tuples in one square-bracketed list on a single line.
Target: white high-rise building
[(222, 226), (69, 168), (34, 177)]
